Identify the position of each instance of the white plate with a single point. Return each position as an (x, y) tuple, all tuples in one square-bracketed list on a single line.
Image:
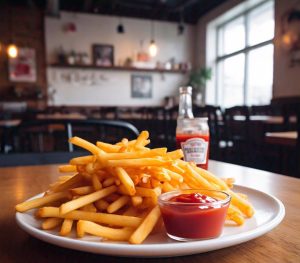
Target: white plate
[(269, 212)]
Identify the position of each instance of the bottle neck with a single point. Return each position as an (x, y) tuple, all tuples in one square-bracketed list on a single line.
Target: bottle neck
[(185, 105)]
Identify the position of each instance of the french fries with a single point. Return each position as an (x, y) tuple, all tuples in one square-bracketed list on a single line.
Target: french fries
[(113, 192)]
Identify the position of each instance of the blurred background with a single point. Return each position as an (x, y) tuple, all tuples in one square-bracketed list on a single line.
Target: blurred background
[(104, 70)]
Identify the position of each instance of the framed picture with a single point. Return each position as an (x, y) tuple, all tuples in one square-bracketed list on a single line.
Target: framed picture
[(141, 86), (103, 55), (23, 67)]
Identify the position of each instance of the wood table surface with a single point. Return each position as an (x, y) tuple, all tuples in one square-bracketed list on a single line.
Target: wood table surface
[(282, 244), (288, 138)]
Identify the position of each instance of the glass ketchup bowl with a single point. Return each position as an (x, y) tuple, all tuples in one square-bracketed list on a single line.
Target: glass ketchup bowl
[(194, 214)]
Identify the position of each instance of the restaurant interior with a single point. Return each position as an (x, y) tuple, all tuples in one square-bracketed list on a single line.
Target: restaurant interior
[(68, 65), (127, 126)]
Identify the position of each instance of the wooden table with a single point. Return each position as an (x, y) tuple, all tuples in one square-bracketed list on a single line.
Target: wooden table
[(61, 116), (288, 138), (282, 244)]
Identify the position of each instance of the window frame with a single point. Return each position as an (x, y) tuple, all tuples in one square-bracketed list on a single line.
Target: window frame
[(245, 50)]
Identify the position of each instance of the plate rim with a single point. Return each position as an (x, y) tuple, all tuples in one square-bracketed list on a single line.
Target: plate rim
[(164, 250)]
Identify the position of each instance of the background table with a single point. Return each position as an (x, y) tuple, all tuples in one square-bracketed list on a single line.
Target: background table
[(288, 138), (282, 244)]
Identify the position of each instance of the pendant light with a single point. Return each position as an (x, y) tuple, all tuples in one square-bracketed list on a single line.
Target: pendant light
[(152, 47), (12, 49), (120, 27), (181, 24)]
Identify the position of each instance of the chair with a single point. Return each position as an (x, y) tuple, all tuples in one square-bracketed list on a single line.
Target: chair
[(171, 115), (24, 159), (53, 135), (237, 134), (216, 123)]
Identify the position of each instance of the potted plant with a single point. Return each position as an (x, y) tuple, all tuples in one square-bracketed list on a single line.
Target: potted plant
[(197, 80)]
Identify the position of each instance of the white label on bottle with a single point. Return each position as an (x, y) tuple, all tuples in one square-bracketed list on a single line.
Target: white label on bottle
[(195, 150)]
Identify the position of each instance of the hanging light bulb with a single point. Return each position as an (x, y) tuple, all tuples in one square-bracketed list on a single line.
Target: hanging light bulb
[(153, 48), (120, 27), (12, 51)]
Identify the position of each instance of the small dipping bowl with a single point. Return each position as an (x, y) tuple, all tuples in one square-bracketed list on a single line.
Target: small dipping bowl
[(194, 214)]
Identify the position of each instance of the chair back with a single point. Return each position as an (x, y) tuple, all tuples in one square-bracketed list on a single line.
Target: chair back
[(52, 135)]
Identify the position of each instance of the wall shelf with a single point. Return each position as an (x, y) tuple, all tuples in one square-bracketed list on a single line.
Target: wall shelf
[(117, 68)]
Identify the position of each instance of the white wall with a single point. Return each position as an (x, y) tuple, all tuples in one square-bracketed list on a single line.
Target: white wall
[(113, 87)]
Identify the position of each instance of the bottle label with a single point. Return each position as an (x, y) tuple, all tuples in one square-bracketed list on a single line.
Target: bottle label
[(195, 150)]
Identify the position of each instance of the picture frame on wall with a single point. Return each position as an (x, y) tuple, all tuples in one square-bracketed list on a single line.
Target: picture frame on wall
[(141, 86), (23, 67), (103, 55)]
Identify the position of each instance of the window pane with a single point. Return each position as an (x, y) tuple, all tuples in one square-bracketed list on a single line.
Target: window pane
[(261, 23), (232, 36), (260, 75), (230, 81)]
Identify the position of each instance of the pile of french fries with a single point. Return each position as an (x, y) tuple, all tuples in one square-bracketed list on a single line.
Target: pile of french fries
[(112, 193)]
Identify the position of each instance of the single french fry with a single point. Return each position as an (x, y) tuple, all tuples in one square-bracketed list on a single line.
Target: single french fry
[(125, 180), (110, 233), (101, 204), (145, 227), (86, 145), (174, 175), (174, 155), (51, 223), (137, 162), (135, 155), (166, 187), (83, 190), (87, 199), (96, 182), (71, 183), (141, 139), (108, 182), (67, 168), (200, 180), (101, 218), (89, 208), (38, 202), (146, 192), (82, 160), (107, 147), (66, 227), (119, 203), (136, 200)]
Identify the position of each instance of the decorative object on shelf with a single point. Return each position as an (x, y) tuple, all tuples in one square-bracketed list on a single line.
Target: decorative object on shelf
[(141, 86), (103, 55), (23, 67), (71, 58), (291, 34), (142, 55), (70, 27), (197, 80), (152, 47)]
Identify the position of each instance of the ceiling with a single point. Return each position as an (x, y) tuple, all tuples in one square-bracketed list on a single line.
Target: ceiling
[(188, 11)]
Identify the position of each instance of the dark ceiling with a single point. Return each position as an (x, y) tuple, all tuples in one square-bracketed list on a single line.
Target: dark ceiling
[(168, 10)]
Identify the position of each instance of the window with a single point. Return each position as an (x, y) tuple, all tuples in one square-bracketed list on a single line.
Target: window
[(244, 58)]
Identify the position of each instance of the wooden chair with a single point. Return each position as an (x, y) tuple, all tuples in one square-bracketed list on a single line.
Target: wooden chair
[(237, 134), (53, 135)]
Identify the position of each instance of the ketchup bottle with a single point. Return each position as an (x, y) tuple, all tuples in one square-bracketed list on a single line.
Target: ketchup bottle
[(192, 134)]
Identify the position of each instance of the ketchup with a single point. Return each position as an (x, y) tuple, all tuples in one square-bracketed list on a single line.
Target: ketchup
[(196, 216), (202, 152)]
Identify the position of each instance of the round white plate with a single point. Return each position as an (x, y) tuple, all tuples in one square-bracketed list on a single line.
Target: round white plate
[(269, 212)]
